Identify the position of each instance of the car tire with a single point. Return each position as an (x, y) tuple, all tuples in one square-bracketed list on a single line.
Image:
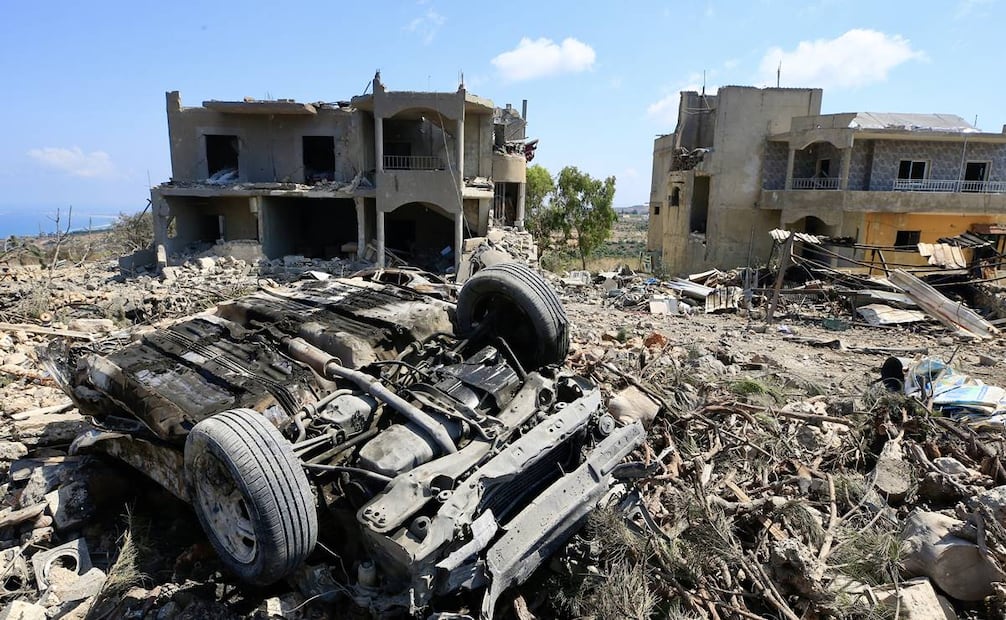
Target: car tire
[(251, 495), (524, 309)]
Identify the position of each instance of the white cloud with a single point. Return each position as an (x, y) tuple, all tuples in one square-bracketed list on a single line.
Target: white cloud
[(543, 57), (854, 59), (427, 26), (74, 161)]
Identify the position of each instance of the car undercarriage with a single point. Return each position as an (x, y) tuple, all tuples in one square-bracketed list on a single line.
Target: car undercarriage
[(433, 448)]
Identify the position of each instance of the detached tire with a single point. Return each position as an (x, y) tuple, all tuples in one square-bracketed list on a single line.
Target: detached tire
[(251, 495), (513, 302)]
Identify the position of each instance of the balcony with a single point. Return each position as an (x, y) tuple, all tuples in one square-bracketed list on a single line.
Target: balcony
[(817, 183), (958, 197), (948, 185), (413, 162)]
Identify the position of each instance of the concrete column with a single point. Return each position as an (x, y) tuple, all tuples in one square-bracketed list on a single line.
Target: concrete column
[(460, 156), (459, 239), (160, 212), (380, 238), (789, 168), (521, 191), (843, 182), (361, 232), (379, 143)]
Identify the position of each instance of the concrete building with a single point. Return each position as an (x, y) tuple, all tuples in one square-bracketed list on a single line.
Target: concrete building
[(411, 172), (747, 160)]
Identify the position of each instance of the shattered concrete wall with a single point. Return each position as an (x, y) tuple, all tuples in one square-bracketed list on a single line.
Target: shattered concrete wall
[(731, 226), (271, 147)]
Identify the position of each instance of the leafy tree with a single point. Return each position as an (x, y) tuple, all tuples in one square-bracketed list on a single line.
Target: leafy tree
[(132, 231), (539, 217), (582, 206)]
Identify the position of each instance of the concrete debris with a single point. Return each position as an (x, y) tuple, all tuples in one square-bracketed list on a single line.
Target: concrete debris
[(23, 610), (780, 480), (498, 246)]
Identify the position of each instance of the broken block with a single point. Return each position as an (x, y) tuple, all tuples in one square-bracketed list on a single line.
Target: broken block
[(23, 610)]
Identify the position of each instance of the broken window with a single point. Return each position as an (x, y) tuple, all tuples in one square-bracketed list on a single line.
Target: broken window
[(907, 239), (221, 156), (911, 169), (698, 220), (675, 198), (656, 208), (975, 175), (319, 159)]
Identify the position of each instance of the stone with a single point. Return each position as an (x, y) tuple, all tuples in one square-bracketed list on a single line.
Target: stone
[(915, 599), (956, 565), (92, 326), (987, 360), (70, 505), (633, 405), (23, 610), (70, 587), (12, 450), (169, 274), (15, 359), (137, 260), (950, 465), (206, 264)]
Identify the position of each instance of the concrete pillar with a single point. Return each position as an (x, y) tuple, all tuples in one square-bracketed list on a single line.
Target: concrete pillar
[(521, 191), (379, 143), (380, 238), (843, 182), (361, 232), (459, 238), (789, 168), (460, 155)]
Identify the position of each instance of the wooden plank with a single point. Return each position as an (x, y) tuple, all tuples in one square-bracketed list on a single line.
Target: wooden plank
[(784, 260), (45, 331)]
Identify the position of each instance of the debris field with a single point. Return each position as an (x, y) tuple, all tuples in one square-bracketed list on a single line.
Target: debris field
[(821, 464)]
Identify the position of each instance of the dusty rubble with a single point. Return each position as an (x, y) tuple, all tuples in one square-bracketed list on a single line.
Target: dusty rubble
[(781, 478)]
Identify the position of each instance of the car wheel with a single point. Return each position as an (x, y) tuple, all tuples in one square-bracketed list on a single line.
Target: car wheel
[(251, 495), (512, 301)]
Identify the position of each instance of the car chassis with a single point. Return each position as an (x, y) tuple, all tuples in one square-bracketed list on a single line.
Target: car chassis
[(437, 448)]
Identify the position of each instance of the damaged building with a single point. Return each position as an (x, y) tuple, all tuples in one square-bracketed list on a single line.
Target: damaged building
[(406, 173), (747, 160)]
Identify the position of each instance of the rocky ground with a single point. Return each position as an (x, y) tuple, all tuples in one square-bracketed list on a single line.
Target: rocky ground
[(780, 479)]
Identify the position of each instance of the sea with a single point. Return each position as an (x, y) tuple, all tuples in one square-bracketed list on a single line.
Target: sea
[(43, 221)]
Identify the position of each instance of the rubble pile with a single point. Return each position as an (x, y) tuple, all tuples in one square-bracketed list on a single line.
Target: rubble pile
[(788, 473), (498, 246), (759, 496)]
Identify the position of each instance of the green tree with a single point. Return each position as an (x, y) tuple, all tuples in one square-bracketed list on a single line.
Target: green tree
[(539, 218), (583, 207)]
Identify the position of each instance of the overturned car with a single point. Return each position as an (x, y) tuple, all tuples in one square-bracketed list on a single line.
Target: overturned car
[(435, 448)]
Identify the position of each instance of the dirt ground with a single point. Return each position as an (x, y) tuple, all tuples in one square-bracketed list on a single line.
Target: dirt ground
[(715, 373)]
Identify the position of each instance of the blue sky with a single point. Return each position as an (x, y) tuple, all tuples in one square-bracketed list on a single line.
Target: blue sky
[(82, 118)]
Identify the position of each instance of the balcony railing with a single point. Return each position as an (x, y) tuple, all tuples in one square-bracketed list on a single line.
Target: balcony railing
[(413, 162), (949, 185), (817, 183)]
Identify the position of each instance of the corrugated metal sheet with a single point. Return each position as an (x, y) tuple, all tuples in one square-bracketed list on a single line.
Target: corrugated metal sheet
[(955, 315), (781, 235), (880, 314), (912, 122), (943, 255), (966, 240), (723, 298)]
